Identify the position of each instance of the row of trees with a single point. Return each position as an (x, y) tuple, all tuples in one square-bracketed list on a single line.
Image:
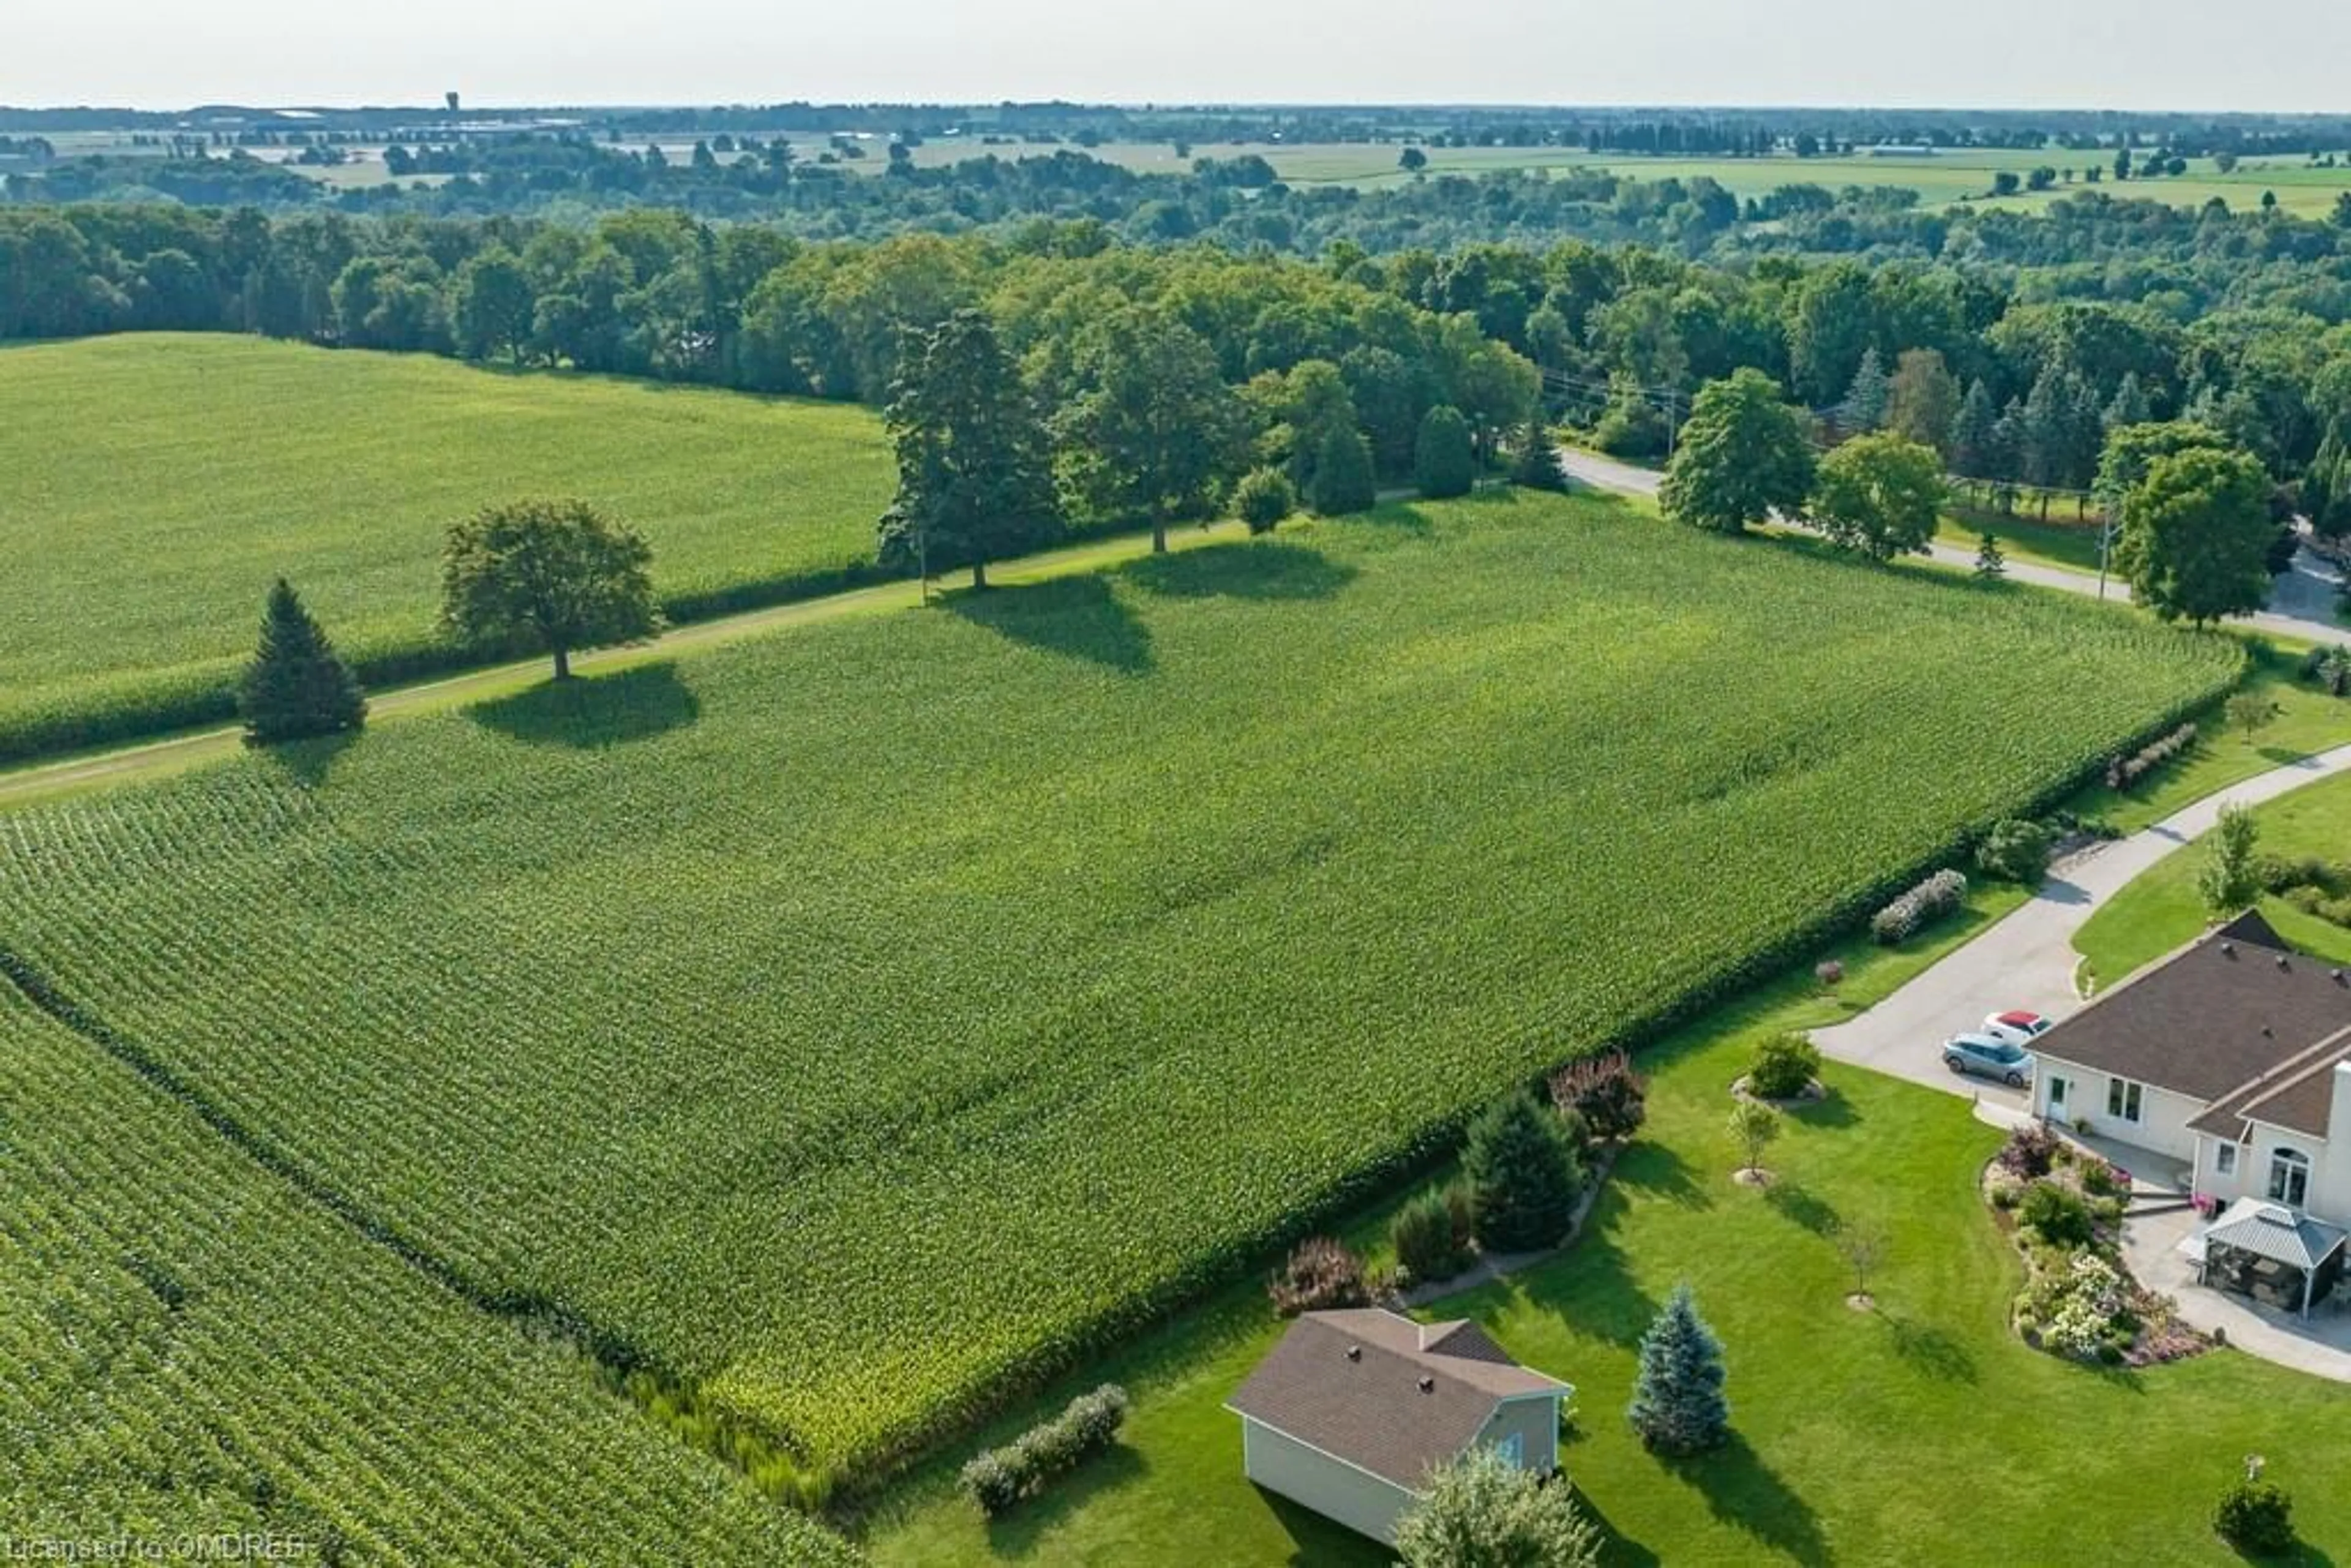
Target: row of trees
[(2197, 524)]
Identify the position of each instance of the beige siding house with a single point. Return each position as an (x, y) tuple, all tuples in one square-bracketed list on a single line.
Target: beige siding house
[(1352, 1410), (2229, 1063)]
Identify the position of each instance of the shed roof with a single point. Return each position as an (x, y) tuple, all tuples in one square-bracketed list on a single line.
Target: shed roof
[(1384, 1393)]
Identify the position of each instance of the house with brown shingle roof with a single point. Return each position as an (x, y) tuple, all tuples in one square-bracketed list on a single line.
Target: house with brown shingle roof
[(2230, 1059), (1350, 1412)]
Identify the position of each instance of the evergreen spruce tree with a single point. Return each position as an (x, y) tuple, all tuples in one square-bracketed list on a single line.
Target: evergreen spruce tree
[(296, 686), (1991, 565), (1678, 1401), (1867, 399), (2130, 405), (1975, 435), (1443, 464), (1525, 1176), (1343, 481), (1535, 465)]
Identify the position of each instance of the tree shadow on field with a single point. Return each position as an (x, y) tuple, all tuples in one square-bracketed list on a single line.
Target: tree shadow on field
[(1745, 1493), (1797, 1203), (1078, 617), (591, 713), (1268, 568), (1933, 1352), (308, 762)]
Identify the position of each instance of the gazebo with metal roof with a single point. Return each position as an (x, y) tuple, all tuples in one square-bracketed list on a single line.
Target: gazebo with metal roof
[(2255, 1233)]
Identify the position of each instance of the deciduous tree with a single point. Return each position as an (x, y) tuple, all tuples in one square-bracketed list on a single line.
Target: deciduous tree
[(2229, 880), (1482, 1512), (1923, 401), (1880, 494), (1741, 457), (975, 467), (1156, 433), (2196, 536), (552, 576)]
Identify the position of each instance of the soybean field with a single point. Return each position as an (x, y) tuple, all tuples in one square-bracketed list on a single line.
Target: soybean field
[(849, 1023), (151, 486), (188, 1347)]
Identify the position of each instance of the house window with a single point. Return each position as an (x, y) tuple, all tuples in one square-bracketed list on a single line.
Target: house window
[(2289, 1177), (1513, 1449), (2225, 1159), (2056, 1096), (2122, 1099)]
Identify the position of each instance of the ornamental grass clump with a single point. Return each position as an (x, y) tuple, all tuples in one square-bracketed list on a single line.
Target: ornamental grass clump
[(1321, 1273)]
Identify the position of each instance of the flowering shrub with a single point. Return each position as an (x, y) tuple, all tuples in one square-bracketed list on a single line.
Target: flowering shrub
[(1001, 1477), (1610, 1097), (1828, 972), (2205, 1205), (1932, 899), (2030, 1152), (2125, 771)]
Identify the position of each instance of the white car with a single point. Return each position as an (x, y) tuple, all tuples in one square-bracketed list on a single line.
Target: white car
[(2018, 1028)]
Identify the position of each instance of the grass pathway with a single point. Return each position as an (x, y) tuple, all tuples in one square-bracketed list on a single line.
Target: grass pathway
[(50, 779)]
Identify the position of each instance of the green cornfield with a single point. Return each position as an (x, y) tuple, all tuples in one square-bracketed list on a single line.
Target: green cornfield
[(187, 1347), (853, 1023), (151, 486)]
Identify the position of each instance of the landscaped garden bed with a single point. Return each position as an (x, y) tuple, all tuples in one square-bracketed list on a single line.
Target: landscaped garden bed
[(2063, 1206)]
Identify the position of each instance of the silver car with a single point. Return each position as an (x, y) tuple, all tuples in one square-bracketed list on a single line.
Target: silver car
[(1987, 1057)]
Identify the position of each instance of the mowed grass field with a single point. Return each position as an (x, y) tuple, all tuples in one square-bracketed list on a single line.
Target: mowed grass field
[(853, 1021), (151, 486), (188, 1346)]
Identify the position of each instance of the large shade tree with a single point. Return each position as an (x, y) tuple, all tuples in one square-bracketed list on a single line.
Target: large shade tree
[(547, 576), (1483, 1511), (1741, 457), (2196, 536), (975, 461), (1880, 494), (1155, 433)]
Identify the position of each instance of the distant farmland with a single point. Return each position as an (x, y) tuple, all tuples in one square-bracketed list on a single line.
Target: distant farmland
[(851, 1021), (151, 486)]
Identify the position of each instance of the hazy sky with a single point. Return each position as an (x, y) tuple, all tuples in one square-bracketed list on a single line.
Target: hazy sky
[(2187, 54)]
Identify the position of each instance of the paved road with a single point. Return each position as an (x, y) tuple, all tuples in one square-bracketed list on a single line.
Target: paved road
[(2302, 605), (2027, 960)]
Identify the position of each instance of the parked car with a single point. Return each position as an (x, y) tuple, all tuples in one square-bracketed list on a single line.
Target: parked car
[(2018, 1028), (1987, 1057)]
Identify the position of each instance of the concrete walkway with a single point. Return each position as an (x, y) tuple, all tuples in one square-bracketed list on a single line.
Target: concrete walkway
[(2027, 960), (2302, 602)]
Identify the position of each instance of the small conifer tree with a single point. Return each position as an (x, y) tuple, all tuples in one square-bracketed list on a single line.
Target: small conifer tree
[(1524, 1173), (1678, 1405), (1343, 481), (296, 686), (1535, 465), (1991, 565)]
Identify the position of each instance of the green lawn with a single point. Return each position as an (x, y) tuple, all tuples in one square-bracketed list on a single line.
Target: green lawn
[(154, 484), (2161, 910), (1919, 1432), (889, 1010), (2066, 547), (2308, 722)]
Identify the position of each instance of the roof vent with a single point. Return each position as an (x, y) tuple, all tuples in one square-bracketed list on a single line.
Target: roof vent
[(2228, 949), (2336, 976), (2275, 1214), (1427, 1385), (1355, 1352), (2282, 962), (2268, 1033)]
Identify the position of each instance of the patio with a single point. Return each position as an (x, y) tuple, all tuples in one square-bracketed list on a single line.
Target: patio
[(2159, 1252)]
